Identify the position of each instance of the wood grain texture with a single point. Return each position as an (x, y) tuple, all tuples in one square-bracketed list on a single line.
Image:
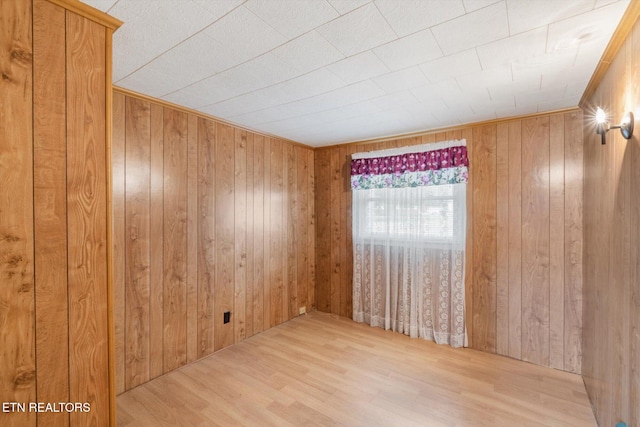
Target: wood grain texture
[(515, 239), (156, 243), (535, 240), (250, 259), (301, 227), (118, 211), (137, 215), (312, 226), (323, 232), (573, 244), (502, 239), (293, 210), (556, 240), (86, 219), (277, 254), (484, 242), (332, 371), (206, 236), (17, 340), (610, 362), (225, 219), (240, 236), (494, 271), (258, 234), (175, 240), (50, 208), (192, 238)]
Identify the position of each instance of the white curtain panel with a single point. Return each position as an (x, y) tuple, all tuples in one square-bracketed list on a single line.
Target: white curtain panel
[(409, 254)]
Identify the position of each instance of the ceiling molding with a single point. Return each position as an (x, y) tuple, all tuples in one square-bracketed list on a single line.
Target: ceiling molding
[(89, 12), (451, 128), (197, 113), (619, 36)]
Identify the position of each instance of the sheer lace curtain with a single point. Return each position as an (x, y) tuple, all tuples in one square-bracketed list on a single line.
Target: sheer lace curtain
[(409, 225)]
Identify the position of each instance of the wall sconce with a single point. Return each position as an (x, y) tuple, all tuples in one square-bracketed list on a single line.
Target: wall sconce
[(625, 126)]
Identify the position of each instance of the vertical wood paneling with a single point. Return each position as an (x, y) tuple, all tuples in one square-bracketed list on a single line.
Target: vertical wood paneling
[(137, 170), (344, 166), (86, 207), (467, 134), (50, 210), (301, 228), (206, 236), (250, 260), (225, 221), (496, 307), (258, 233), (118, 207), (292, 209), (323, 233), (484, 242), (276, 231), (311, 246), (192, 238), (556, 241), (535, 240), (156, 243), (240, 237), (573, 244), (55, 297), (515, 239), (175, 240), (16, 214), (266, 294), (502, 239)]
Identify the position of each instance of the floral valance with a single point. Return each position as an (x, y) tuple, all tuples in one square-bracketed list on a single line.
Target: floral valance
[(423, 165)]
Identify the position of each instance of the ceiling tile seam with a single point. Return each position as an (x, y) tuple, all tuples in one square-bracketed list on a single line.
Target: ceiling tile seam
[(267, 52), (386, 20), (322, 93), (315, 112), (179, 43), (336, 10)]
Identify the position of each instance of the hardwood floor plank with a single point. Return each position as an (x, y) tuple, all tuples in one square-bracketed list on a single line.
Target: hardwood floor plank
[(321, 369)]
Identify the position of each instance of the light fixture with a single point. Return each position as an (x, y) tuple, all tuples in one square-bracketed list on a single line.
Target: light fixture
[(625, 126)]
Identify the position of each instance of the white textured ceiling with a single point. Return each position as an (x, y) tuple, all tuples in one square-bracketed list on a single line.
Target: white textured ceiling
[(323, 72)]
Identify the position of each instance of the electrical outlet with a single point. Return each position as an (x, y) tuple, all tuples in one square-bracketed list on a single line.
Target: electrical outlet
[(303, 310)]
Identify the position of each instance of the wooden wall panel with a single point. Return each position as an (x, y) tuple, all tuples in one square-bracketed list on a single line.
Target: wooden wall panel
[(258, 234), (556, 241), (610, 311), (523, 205), (137, 213), (156, 242), (515, 239), (240, 236), (86, 219), (502, 239), (292, 210), (118, 207), (17, 340), (225, 219), (227, 231), (192, 238), (206, 235), (55, 336), (276, 231), (484, 239), (50, 208), (175, 240)]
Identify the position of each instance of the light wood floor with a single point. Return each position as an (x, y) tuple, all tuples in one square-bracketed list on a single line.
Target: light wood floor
[(322, 370)]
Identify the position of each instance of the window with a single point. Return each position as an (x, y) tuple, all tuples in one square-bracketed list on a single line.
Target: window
[(424, 214)]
